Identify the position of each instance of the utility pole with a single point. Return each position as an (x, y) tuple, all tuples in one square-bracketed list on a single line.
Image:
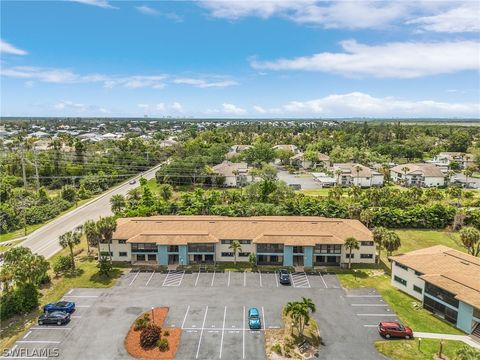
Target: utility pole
[(23, 170)]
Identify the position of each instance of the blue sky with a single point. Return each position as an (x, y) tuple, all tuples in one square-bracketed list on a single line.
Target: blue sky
[(240, 59)]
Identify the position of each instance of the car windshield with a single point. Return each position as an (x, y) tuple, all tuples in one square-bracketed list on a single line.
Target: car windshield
[(62, 303)]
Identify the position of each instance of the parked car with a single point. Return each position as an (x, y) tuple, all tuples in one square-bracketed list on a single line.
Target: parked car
[(132, 182), (394, 329), (65, 306), (254, 319), (56, 317), (284, 277)]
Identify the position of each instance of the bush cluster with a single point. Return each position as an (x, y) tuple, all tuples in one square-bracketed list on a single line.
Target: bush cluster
[(149, 336), (21, 300)]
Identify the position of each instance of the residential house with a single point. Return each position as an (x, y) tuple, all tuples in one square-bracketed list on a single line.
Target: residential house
[(299, 161), (236, 174), (324, 179), (236, 150), (275, 240), (293, 148), (447, 282), (425, 175), (349, 174), (445, 159)]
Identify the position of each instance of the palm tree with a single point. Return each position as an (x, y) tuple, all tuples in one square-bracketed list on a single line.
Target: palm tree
[(405, 170), (468, 173), (70, 239), (93, 235), (300, 312), (350, 244), (378, 239), (117, 202), (106, 227), (391, 241), (358, 168), (470, 238), (235, 246)]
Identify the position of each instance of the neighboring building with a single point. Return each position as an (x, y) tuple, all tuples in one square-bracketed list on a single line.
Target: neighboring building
[(41, 145), (236, 174), (39, 134), (236, 150), (444, 159), (349, 174), (324, 179), (426, 175), (276, 240), (167, 143), (293, 148), (447, 281), (300, 162)]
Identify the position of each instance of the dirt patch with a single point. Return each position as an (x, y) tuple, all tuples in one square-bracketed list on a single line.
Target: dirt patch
[(157, 317)]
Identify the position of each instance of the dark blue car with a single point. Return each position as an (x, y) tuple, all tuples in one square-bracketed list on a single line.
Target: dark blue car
[(65, 306)]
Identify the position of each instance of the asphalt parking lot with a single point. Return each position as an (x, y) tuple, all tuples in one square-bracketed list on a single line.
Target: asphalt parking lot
[(211, 309)]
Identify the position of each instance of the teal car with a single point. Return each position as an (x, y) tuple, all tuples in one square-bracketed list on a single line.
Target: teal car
[(254, 319)]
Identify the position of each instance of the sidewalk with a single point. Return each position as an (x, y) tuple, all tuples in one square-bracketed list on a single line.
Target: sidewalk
[(466, 339)]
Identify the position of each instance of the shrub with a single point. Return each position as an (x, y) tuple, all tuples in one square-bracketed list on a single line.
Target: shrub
[(62, 265), (166, 333), (162, 344), (104, 266), (149, 336), (142, 322), (277, 348)]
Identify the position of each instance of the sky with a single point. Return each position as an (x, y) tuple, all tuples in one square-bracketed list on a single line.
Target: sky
[(248, 59)]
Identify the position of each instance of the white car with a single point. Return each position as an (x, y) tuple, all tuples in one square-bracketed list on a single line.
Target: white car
[(132, 182)]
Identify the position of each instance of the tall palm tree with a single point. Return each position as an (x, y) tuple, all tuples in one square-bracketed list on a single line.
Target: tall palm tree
[(107, 226), (391, 241), (350, 244), (378, 239), (358, 168), (117, 203), (405, 170), (468, 173), (70, 239), (93, 235), (235, 246)]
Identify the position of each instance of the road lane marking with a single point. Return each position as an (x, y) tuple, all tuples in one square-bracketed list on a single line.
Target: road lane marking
[(213, 278), (196, 281), (243, 335), (80, 296), (228, 284), (260, 274), (324, 282), (134, 278), (263, 318), (185, 317), (369, 305), (245, 278), (150, 278), (37, 342), (377, 315), (82, 306), (370, 326), (71, 290), (223, 331), (276, 278), (27, 334), (365, 296), (50, 328), (201, 332)]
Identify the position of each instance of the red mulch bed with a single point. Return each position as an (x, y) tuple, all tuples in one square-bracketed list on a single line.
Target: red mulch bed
[(132, 341)]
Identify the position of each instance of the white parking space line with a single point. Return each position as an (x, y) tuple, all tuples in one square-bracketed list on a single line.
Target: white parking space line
[(260, 277), (37, 342), (201, 332), (377, 315), (243, 335), (50, 328), (71, 290), (276, 278), (82, 306), (173, 278), (245, 278), (75, 316), (365, 296), (228, 284), (213, 278), (23, 357), (134, 278), (300, 280), (150, 278), (369, 305), (27, 334), (370, 326), (80, 296), (185, 317), (223, 331), (263, 319), (196, 281), (324, 283)]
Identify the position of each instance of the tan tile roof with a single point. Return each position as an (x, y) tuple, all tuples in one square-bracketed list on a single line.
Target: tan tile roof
[(297, 239), (245, 228), (428, 170), (228, 168), (173, 237), (449, 269), (351, 169)]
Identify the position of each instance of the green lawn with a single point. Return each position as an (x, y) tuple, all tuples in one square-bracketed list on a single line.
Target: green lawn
[(408, 349), (418, 239), (315, 192)]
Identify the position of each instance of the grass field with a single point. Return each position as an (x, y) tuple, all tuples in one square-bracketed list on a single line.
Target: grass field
[(418, 239), (409, 349)]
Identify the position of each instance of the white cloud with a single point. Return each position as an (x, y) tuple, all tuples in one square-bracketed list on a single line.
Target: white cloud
[(100, 3), (201, 83), (7, 48), (232, 109), (160, 107), (465, 18), (397, 60), (137, 81), (362, 104), (147, 10), (259, 109), (143, 106), (177, 107), (66, 104)]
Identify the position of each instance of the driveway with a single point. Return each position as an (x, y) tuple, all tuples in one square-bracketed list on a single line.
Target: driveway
[(211, 309), (306, 180)]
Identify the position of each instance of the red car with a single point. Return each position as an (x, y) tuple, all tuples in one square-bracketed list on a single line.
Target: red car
[(394, 329)]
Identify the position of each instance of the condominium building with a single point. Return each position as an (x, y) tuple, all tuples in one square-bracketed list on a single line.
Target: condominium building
[(447, 282), (276, 240)]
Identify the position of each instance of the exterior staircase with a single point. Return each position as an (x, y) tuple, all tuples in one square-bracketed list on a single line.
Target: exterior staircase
[(476, 333)]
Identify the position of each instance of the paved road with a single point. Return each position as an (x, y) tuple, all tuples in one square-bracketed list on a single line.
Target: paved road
[(44, 241), (306, 181)]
